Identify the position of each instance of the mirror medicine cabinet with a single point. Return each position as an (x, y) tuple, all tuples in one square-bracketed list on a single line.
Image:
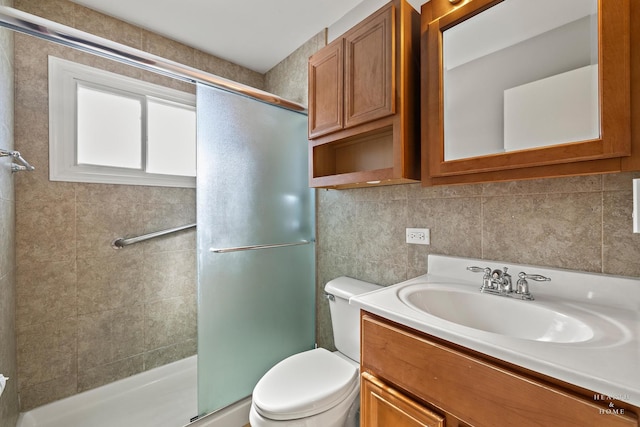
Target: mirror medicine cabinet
[(515, 89)]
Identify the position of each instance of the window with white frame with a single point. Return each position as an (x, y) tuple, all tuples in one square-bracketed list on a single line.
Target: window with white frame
[(109, 128)]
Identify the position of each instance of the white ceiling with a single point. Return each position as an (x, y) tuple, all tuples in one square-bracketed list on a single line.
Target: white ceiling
[(256, 34)]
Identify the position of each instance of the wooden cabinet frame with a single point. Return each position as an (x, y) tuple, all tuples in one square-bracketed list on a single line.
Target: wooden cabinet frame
[(369, 135), (606, 154)]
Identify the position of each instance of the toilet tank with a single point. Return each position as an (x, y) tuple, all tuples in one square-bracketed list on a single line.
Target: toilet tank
[(345, 318)]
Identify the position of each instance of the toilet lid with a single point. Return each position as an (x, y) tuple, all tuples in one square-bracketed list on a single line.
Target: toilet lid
[(304, 384)]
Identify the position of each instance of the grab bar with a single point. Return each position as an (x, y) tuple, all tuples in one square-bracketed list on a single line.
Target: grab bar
[(121, 242), (16, 156), (254, 247)]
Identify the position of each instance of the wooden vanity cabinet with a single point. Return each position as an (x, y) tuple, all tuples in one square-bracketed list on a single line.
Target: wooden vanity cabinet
[(363, 102), (617, 149), (414, 379)]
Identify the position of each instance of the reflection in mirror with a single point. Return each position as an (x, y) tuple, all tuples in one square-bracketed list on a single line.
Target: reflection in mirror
[(520, 75)]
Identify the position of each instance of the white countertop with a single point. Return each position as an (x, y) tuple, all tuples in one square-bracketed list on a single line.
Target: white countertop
[(608, 364)]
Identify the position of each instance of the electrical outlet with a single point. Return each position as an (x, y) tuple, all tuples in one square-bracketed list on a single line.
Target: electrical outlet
[(418, 236)]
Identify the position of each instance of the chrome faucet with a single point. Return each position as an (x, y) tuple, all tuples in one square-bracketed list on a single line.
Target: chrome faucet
[(522, 286), (498, 282)]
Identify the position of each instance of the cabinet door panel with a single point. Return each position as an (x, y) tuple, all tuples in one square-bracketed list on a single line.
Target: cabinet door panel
[(370, 69), (326, 79), (382, 406)]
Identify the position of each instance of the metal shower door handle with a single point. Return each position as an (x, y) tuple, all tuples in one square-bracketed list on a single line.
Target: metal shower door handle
[(254, 247)]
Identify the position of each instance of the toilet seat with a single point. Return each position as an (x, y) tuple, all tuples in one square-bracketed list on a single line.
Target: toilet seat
[(304, 385)]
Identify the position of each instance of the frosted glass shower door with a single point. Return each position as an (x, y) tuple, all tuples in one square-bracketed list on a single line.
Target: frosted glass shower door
[(256, 306)]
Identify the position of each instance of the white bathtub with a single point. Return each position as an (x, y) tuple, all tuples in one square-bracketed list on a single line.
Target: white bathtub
[(162, 397)]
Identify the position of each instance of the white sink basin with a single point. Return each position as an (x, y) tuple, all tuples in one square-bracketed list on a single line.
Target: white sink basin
[(501, 315)]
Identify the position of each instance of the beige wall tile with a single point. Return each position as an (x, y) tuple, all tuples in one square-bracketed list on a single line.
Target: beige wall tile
[(574, 184), (620, 246), (9, 402), (60, 11), (554, 229), (41, 393), (164, 355), (455, 225), (167, 49), (227, 70), (168, 321), (288, 79), (109, 283), (7, 236), (380, 231), (46, 351), (108, 336), (619, 181), (107, 27), (105, 374), (46, 292), (169, 274), (45, 231), (165, 195)]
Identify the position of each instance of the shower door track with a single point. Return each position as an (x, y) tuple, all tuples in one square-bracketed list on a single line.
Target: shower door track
[(52, 31)]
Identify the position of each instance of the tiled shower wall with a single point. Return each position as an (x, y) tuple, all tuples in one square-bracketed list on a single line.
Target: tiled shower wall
[(8, 364), (88, 314)]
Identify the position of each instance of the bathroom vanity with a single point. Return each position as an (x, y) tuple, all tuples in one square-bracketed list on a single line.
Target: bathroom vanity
[(436, 351)]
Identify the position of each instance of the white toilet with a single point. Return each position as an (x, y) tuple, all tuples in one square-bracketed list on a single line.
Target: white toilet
[(317, 388)]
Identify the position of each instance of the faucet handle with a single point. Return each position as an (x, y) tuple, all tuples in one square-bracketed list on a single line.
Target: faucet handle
[(522, 287), (486, 278), (507, 282), (485, 270), (536, 277)]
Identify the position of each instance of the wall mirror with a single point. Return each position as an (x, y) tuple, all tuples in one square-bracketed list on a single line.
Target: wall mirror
[(521, 83)]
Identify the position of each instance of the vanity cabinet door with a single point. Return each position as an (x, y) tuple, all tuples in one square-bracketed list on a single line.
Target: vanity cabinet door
[(325, 90), (383, 406), (370, 69)]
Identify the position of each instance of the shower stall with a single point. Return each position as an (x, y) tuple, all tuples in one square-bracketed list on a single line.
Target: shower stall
[(255, 239)]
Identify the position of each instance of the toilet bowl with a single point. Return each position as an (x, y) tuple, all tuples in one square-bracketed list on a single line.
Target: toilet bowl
[(317, 388)]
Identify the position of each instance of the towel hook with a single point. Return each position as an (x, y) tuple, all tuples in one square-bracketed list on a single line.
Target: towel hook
[(17, 157)]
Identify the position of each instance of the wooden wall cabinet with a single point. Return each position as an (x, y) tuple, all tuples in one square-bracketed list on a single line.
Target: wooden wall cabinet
[(363, 105), (618, 147), (414, 379)]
